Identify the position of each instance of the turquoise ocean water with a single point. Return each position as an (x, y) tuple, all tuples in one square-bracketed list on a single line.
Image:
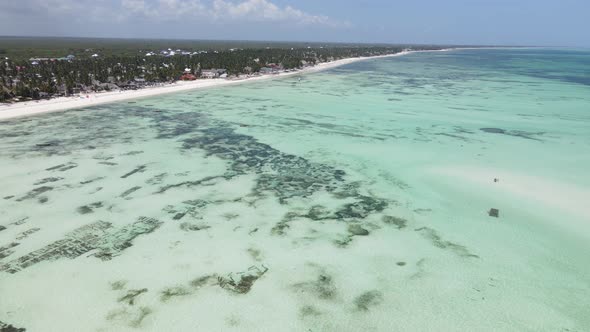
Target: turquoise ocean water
[(355, 199)]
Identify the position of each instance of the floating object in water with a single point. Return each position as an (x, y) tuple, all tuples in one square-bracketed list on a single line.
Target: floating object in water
[(496, 180), (494, 213), (44, 145)]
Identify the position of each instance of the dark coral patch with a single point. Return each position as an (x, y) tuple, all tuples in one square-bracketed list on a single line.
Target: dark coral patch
[(367, 300)]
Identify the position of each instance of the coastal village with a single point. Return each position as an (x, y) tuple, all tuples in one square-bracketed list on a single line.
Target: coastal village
[(91, 71)]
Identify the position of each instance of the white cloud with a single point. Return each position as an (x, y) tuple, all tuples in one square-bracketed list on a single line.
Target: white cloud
[(208, 11), (224, 11), (162, 10), (264, 10)]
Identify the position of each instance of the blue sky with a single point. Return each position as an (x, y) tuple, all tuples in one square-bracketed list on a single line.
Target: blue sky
[(506, 22)]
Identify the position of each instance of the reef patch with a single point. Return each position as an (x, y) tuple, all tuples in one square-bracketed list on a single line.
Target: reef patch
[(99, 236)]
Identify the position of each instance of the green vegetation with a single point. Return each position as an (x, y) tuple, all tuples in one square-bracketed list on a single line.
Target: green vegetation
[(64, 66)]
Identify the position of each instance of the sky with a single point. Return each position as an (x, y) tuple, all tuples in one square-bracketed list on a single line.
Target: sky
[(458, 22)]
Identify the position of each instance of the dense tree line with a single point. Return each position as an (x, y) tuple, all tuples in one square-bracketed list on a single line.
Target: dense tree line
[(23, 79)]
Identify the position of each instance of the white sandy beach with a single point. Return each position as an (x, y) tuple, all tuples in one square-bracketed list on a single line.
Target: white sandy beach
[(8, 111)]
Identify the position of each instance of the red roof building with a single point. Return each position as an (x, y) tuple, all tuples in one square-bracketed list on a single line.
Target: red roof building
[(188, 77)]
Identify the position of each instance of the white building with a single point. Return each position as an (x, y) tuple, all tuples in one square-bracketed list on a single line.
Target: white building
[(213, 73)]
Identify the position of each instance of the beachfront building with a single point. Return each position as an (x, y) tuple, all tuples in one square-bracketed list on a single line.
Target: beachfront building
[(266, 70), (210, 73), (140, 81), (271, 68), (188, 77), (213, 73)]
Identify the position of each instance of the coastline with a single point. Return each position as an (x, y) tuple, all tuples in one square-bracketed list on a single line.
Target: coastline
[(30, 108), (333, 211)]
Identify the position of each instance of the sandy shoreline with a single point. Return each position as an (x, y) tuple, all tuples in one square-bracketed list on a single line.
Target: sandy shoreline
[(9, 111)]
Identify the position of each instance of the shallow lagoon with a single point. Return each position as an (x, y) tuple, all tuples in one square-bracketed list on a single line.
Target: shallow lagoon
[(353, 199)]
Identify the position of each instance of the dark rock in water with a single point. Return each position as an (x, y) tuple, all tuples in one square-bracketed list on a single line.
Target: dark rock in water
[(281, 227), (67, 168), (202, 281), (46, 144), (62, 167), (139, 169), (400, 263), (368, 299), (494, 213), (132, 153), (5, 327), (92, 180), (35, 193), (47, 180), (318, 212), (171, 292), (27, 233), (130, 191), (323, 287), (247, 280), (43, 199), (179, 215), (342, 243), (193, 227), (493, 130), (438, 242), (157, 179), (84, 210), (308, 311), (515, 133), (55, 167), (2, 228), (9, 197), (202, 182), (399, 222), (363, 207), (118, 285), (131, 295), (6, 251), (356, 229)]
